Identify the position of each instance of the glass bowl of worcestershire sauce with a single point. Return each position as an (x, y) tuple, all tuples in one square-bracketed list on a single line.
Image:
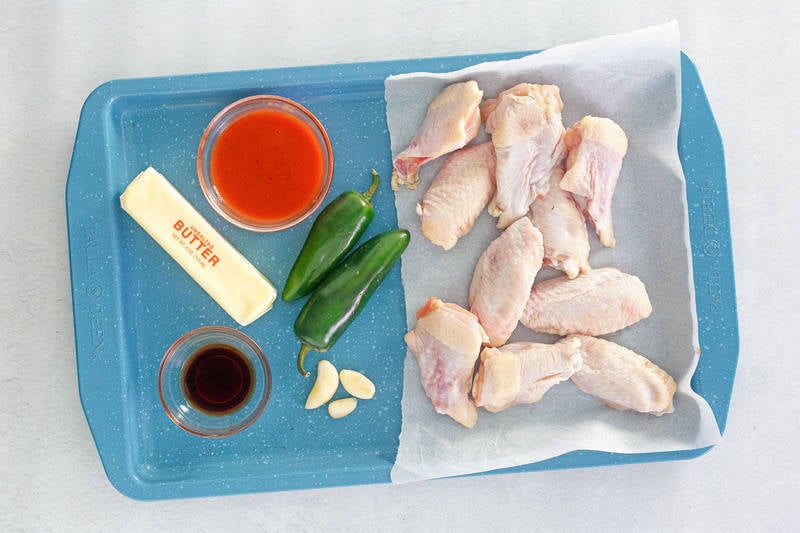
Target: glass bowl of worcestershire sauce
[(265, 163), (214, 381)]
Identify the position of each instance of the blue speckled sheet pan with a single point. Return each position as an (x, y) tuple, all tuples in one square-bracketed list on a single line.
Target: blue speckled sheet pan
[(131, 300)]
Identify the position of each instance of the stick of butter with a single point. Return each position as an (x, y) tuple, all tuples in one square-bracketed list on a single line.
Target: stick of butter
[(230, 279)]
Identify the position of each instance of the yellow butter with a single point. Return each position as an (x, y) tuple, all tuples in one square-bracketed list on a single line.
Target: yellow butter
[(225, 274)]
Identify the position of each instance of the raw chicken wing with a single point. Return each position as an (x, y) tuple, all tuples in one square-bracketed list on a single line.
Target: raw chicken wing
[(595, 148), (623, 379), (597, 302), (458, 194), (503, 277), (453, 120), (522, 372), (446, 342), (566, 242), (526, 129)]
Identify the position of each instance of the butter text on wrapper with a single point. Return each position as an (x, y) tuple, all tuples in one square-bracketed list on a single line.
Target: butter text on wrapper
[(203, 248)]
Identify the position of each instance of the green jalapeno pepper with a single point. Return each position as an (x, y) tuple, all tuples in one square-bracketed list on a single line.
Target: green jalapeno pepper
[(343, 294), (335, 231)]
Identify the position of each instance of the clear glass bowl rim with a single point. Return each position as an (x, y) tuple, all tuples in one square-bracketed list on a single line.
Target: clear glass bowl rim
[(212, 130), (259, 356)]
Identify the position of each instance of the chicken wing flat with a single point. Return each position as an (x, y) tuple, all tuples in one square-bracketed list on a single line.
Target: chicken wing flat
[(597, 302), (527, 133), (446, 342), (623, 379), (453, 120), (501, 283), (458, 194), (563, 227)]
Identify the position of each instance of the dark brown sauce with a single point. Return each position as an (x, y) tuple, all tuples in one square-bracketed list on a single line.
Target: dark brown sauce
[(218, 379)]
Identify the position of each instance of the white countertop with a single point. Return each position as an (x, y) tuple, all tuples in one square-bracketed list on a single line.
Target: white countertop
[(53, 54)]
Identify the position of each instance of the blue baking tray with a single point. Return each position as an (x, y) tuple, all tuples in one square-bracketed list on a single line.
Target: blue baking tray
[(131, 301)]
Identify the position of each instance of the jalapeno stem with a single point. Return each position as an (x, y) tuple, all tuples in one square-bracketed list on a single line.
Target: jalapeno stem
[(301, 358), (376, 180)]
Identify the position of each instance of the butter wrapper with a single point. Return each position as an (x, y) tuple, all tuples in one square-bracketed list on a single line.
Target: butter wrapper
[(219, 268)]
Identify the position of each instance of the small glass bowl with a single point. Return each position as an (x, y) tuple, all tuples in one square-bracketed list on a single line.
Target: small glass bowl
[(171, 388), (222, 120)]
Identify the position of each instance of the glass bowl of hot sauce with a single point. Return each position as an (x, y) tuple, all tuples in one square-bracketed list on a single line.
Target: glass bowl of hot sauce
[(265, 163)]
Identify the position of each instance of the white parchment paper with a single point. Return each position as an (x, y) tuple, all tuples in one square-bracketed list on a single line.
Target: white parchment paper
[(634, 79)]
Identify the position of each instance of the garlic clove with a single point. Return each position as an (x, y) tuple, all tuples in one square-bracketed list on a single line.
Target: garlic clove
[(357, 384), (325, 385), (341, 408)]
